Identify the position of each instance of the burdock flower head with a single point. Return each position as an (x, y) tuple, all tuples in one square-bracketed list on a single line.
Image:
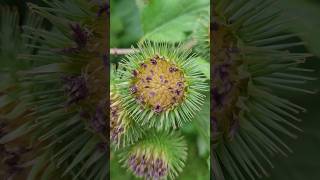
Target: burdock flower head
[(160, 85), (123, 130), (149, 167), (253, 59), (116, 125), (159, 156)]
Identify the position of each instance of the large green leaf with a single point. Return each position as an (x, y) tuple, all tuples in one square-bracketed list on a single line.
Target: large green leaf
[(171, 20), (125, 23)]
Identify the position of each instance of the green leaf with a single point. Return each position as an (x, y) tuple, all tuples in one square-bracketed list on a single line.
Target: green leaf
[(171, 20), (125, 23)]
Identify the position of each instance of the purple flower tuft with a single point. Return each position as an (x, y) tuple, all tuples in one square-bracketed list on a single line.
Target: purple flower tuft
[(76, 88), (158, 108), (179, 84), (144, 65), (98, 120), (135, 73), (173, 69), (178, 92), (149, 78), (133, 89), (149, 168), (80, 36), (152, 94), (153, 61)]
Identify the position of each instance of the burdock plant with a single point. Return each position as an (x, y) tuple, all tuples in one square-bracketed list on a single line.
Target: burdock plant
[(54, 95), (54, 83), (158, 156), (123, 129), (162, 84), (160, 89), (254, 63)]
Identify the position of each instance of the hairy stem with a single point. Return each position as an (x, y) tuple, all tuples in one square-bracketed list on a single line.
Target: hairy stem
[(119, 51)]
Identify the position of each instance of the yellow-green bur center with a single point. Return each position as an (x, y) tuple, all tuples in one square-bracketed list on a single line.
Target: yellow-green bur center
[(158, 84)]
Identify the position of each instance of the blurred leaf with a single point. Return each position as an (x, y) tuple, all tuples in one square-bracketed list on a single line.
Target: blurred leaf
[(201, 123), (196, 167), (170, 20), (129, 19), (117, 26), (202, 146), (304, 19)]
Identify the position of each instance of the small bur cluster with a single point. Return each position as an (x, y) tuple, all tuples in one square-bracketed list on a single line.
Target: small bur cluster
[(148, 167), (116, 126), (158, 84)]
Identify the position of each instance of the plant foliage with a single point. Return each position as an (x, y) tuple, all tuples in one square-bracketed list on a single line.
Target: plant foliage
[(253, 62)]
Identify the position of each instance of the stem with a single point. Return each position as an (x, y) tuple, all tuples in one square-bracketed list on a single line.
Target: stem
[(118, 51)]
